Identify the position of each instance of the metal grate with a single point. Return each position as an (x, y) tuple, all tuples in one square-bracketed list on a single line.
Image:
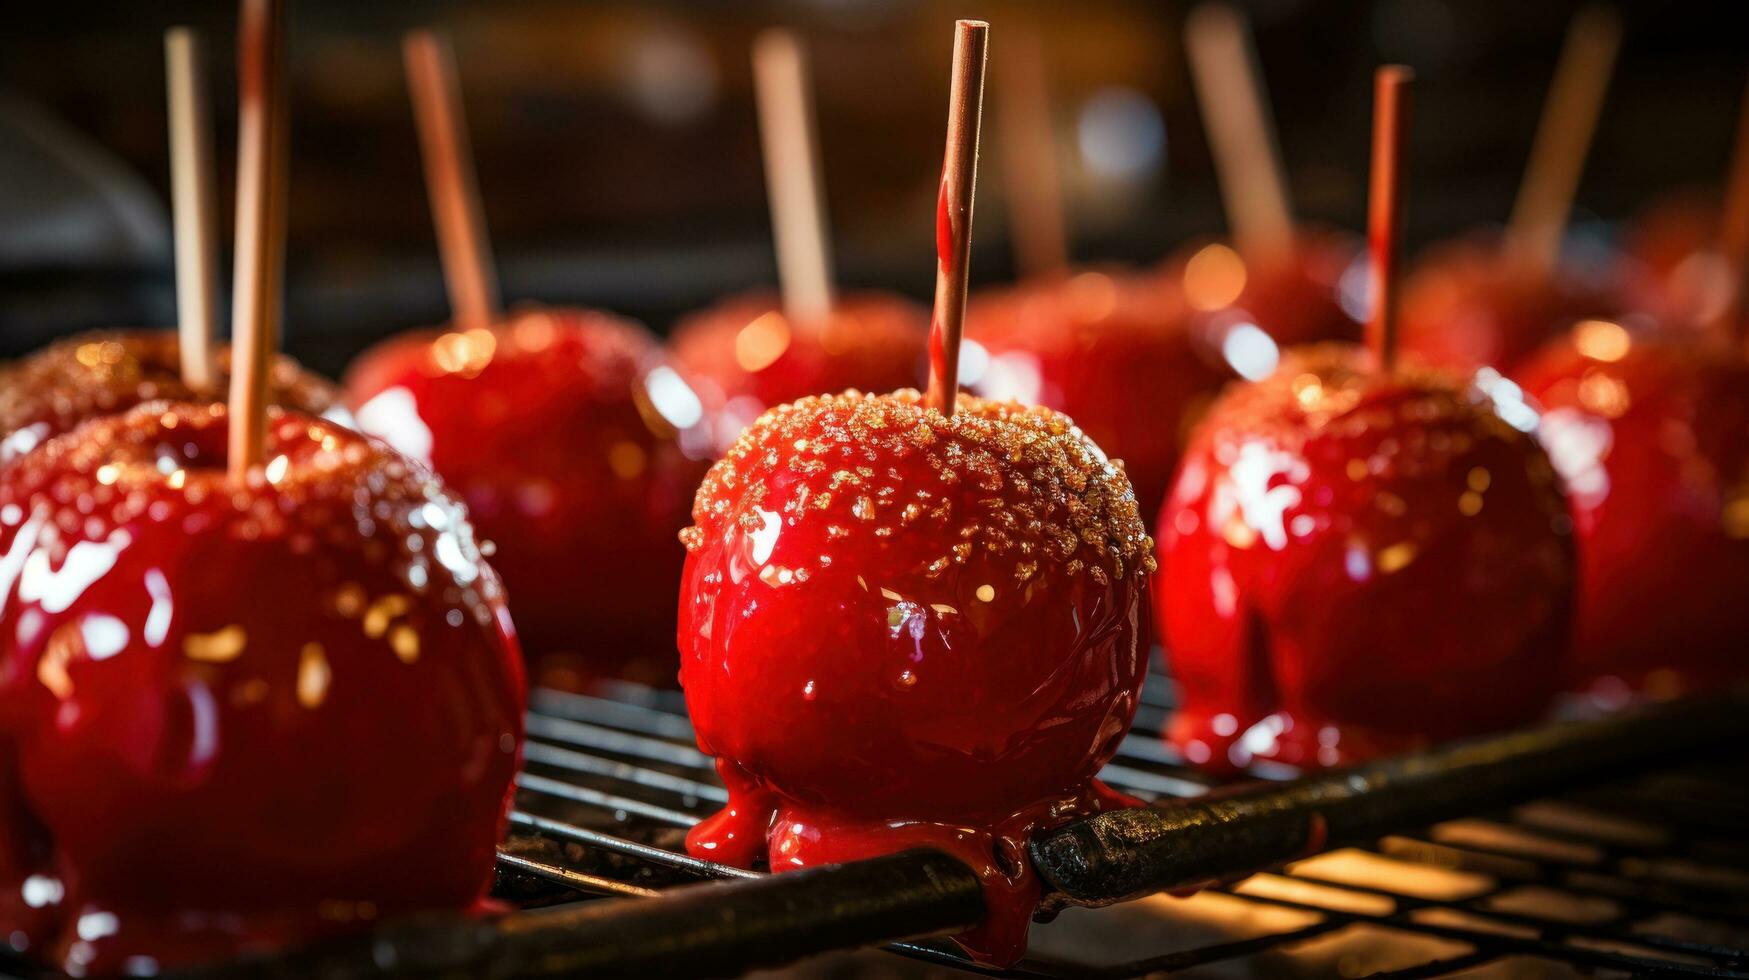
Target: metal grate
[(1649, 876)]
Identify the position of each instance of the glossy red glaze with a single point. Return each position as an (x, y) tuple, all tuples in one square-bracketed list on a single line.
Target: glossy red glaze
[(1354, 564), (1467, 306), (1108, 349), (1670, 266), (576, 449), (93, 374), (746, 356), (237, 719), (901, 629), (1652, 437), (1294, 301)]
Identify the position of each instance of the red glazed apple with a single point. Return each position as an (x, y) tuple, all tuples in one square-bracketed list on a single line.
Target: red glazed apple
[(746, 355), (1671, 265), (66, 383), (1297, 300), (1467, 306), (1108, 349), (1652, 437), (1354, 563), (240, 717), (576, 449), (904, 629)]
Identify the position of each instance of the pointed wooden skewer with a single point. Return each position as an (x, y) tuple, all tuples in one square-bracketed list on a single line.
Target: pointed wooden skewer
[(192, 194), (449, 179), (1390, 130), (1029, 157), (1563, 138), (1235, 110), (792, 175), (260, 244), (1734, 234), (953, 211)]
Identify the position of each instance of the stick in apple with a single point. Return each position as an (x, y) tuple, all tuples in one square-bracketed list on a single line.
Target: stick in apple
[(1563, 137), (1229, 91), (953, 211), (260, 243), (792, 176), (192, 196), (1385, 207), (449, 178)]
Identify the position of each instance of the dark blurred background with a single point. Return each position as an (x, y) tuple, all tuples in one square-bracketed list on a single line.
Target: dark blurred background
[(618, 152)]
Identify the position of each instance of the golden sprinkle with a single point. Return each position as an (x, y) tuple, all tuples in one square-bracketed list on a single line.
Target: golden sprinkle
[(466, 353), (376, 619), (1007, 479), (1479, 478), (405, 641), (1357, 469), (219, 647), (1603, 395), (349, 600), (313, 676), (64, 644), (1470, 504), (986, 593), (1602, 340), (1396, 557)]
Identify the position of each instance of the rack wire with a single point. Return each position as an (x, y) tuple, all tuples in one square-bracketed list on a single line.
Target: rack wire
[(1646, 876)]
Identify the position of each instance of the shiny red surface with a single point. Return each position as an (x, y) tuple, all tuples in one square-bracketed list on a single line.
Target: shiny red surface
[(1354, 564), (860, 703), (1670, 266), (100, 373), (1108, 349), (234, 720), (745, 354), (1296, 301), (1652, 437), (567, 437), (1466, 306)]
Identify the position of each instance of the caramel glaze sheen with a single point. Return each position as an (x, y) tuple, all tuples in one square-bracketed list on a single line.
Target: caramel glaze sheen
[(1652, 436), (1467, 306), (1354, 564), (80, 378), (566, 435), (1108, 348), (746, 354), (238, 718), (903, 629), (1295, 300)]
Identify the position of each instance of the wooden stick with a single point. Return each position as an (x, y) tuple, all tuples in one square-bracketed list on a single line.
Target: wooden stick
[(1029, 156), (192, 196), (449, 180), (953, 211), (1734, 232), (1390, 130), (1563, 137), (792, 175), (260, 243), (1235, 111)]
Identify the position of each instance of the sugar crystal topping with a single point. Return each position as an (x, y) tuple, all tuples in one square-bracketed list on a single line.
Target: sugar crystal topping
[(997, 477), (323, 487)]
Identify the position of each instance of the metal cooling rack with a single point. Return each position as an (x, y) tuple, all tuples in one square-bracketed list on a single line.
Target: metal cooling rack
[(1648, 876)]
